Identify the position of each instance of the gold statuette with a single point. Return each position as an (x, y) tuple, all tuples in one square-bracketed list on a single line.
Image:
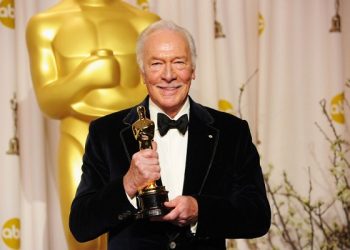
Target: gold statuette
[(152, 197)]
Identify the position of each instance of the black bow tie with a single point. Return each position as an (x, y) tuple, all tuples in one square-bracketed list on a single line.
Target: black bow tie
[(165, 123)]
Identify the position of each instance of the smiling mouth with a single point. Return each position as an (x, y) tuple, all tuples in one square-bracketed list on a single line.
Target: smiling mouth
[(168, 88), (168, 91)]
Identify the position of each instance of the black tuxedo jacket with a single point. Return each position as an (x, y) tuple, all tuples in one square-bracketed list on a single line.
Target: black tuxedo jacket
[(222, 172)]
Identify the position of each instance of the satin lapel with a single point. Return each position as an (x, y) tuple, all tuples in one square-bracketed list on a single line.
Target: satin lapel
[(202, 141), (130, 145)]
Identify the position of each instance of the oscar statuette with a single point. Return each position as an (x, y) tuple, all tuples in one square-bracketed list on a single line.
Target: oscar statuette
[(150, 199)]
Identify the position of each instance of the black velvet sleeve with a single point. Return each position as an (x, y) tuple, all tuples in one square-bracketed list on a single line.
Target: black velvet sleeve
[(99, 198)]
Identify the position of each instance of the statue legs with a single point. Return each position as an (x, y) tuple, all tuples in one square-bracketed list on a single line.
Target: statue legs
[(70, 153)]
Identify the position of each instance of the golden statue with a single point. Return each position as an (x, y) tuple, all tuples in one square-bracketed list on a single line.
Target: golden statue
[(152, 197), (143, 129), (83, 66)]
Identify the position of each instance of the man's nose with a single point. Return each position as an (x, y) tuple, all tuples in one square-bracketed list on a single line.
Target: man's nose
[(168, 73)]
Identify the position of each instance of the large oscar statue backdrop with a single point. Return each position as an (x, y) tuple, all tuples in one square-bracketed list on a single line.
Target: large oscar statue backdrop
[(83, 66)]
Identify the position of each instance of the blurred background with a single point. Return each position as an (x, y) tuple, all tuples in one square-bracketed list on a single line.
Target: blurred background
[(284, 66)]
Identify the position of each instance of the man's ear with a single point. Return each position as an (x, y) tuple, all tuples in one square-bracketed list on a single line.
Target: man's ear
[(193, 75)]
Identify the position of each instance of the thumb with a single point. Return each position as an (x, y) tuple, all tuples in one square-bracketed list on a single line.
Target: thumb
[(154, 145), (171, 203)]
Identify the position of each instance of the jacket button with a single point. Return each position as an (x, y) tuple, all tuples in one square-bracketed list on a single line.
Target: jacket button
[(172, 245)]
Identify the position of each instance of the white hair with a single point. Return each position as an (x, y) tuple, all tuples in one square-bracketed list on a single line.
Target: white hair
[(164, 25)]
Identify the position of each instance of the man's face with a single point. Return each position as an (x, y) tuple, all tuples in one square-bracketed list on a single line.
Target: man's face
[(168, 70)]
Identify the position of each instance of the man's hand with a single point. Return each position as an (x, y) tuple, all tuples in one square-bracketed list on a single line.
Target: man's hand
[(144, 169), (184, 211)]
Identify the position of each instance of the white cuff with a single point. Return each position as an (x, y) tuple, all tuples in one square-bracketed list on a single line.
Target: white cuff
[(194, 228), (133, 201)]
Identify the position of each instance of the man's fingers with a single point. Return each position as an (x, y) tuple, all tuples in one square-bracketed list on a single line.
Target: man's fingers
[(184, 210), (172, 215), (148, 153), (170, 204)]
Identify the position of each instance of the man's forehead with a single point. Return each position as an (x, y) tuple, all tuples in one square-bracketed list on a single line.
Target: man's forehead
[(166, 42), (166, 34)]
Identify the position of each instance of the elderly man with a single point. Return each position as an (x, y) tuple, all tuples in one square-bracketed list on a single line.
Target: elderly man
[(210, 167)]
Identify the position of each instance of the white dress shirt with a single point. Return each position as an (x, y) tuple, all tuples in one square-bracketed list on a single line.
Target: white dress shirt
[(172, 151)]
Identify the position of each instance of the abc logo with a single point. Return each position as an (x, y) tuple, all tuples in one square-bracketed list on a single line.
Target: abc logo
[(11, 233), (7, 13)]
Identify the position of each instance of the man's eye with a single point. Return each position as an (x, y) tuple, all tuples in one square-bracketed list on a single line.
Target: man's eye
[(179, 64), (155, 65)]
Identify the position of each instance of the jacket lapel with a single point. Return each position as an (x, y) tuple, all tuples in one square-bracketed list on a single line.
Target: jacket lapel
[(202, 141)]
